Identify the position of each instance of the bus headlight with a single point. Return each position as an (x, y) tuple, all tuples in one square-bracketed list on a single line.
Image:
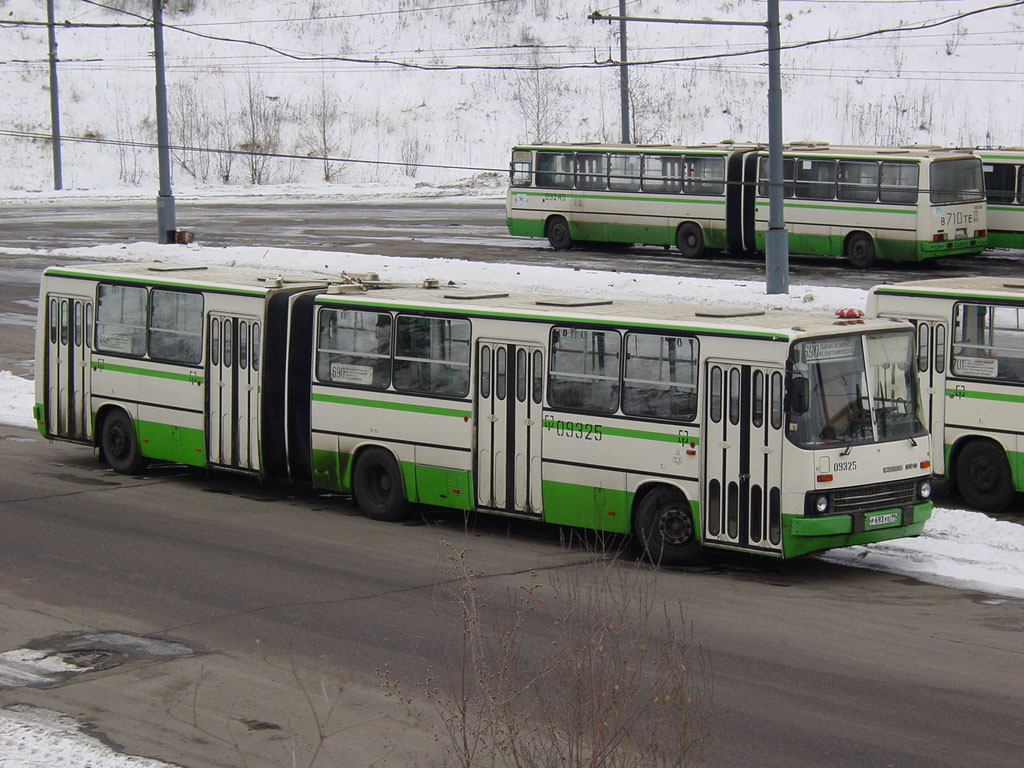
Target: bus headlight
[(821, 504), (924, 490)]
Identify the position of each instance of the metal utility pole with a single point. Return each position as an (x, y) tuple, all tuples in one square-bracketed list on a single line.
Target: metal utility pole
[(776, 244), (623, 74), (58, 181), (165, 199), (776, 239)]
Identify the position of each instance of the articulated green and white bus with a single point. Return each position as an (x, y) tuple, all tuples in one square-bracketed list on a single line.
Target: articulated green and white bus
[(778, 433), (864, 203), (1004, 187), (970, 360)]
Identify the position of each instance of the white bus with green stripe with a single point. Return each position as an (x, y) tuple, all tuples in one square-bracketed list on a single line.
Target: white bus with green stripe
[(970, 361), (863, 203), (774, 433), (1004, 188)]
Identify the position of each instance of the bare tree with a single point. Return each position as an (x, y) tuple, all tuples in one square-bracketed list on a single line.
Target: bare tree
[(261, 118), (192, 128), (540, 97), (225, 137), (319, 132), (612, 681)]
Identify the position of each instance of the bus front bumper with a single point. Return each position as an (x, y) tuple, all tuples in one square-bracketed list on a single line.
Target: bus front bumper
[(810, 534)]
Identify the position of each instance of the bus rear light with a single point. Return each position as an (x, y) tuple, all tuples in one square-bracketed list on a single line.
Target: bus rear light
[(939, 237)]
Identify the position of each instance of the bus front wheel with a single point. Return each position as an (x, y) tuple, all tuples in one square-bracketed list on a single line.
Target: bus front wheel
[(663, 526), (983, 476), (690, 240), (120, 444), (377, 486), (860, 250), (558, 234)]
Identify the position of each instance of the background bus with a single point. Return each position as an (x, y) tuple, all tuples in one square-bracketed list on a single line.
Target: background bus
[(774, 433), (1004, 188), (864, 203), (970, 361)]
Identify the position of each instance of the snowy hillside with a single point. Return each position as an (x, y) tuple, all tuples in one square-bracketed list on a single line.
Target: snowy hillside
[(955, 83)]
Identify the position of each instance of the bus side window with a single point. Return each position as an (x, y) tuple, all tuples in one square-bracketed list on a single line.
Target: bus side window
[(923, 346), (940, 348), (215, 341), (53, 321), (554, 169), (522, 169), (715, 406), (815, 179), (788, 185), (88, 325), (583, 369), (899, 182), (999, 182), (858, 180), (256, 341), (176, 326), (63, 322), (591, 170), (624, 173)]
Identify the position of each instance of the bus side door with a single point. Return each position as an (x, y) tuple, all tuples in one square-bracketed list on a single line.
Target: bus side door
[(233, 392), (741, 489), (510, 381), (932, 355), (69, 323)]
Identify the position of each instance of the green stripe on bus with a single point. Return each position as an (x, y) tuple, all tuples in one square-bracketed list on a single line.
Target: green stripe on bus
[(637, 434), (970, 394), (631, 197), (102, 365), (392, 406), (908, 210), (114, 278)]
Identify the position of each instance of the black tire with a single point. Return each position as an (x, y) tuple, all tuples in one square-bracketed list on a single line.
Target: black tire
[(558, 233), (690, 240), (663, 527), (860, 251), (120, 444), (983, 476), (377, 486)]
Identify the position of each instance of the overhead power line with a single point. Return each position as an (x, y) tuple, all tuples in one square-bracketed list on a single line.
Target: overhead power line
[(597, 64)]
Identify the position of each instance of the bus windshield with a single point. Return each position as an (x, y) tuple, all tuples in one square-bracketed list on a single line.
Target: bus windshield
[(853, 390), (956, 181)]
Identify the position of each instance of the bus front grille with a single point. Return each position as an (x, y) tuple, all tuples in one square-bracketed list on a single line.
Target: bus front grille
[(868, 498)]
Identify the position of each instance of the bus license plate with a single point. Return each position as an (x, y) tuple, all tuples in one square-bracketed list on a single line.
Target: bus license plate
[(886, 518)]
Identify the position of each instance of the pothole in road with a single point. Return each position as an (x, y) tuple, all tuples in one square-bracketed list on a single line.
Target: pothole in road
[(56, 659)]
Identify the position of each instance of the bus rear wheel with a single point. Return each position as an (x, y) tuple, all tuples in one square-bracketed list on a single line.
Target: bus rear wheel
[(690, 240), (120, 444), (663, 526), (860, 251), (558, 234), (377, 486), (983, 476)]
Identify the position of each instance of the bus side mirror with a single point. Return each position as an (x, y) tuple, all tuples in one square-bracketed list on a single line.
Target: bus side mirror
[(799, 395)]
